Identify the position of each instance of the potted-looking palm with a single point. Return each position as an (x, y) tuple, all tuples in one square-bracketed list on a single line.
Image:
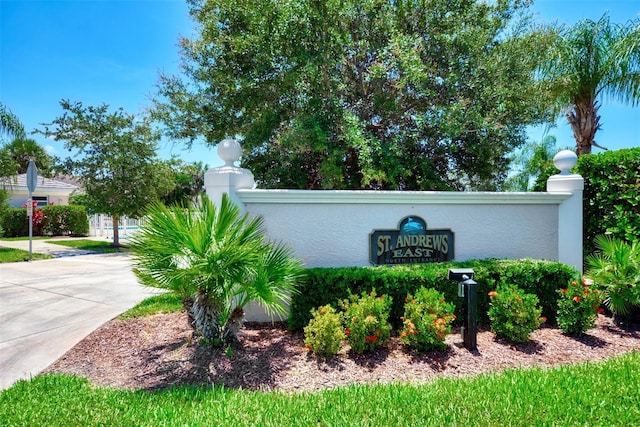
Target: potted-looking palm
[(218, 260)]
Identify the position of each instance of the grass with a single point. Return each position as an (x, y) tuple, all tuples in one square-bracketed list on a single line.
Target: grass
[(169, 302), (587, 394), (17, 255), (87, 244), (11, 239)]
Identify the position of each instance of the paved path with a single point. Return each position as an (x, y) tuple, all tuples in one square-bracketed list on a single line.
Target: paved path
[(48, 306)]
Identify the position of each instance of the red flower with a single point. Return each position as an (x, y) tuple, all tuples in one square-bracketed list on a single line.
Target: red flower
[(577, 299), (347, 331), (544, 319), (493, 294), (600, 310), (565, 290), (585, 293), (370, 338), (574, 283), (309, 347)]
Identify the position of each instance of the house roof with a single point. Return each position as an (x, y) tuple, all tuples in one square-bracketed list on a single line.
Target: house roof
[(19, 183)]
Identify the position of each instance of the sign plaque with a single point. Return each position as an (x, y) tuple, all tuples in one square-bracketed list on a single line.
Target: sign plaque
[(411, 243)]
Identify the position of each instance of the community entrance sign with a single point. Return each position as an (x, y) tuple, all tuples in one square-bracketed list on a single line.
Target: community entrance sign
[(411, 243)]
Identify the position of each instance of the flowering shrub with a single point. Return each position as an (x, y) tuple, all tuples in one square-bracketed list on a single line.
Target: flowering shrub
[(578, 307), (366, 321), (37, 218), (427, 319), (324, 333), (514, 314)]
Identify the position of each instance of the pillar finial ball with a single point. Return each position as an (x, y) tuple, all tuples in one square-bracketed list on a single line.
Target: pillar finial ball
[(229, 151), (565, 160)]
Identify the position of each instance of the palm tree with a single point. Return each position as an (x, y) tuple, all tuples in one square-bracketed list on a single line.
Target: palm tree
[(589, 61), (21, 150), (10, 124), (530, 162), (615, 267), (217, 260)]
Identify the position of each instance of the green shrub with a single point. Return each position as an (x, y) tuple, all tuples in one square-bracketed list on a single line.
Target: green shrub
[(514, 314), (615, 269), (578, 308), (60, 220), (367, 321), (611, 194), (54, 220), (324, 333), (15, 222), (427, 319), (328, 285)]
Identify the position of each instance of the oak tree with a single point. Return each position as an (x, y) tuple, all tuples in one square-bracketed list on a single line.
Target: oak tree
[(113, 157)]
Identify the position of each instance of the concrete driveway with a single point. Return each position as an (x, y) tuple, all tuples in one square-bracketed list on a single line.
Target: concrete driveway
[(48, 306)]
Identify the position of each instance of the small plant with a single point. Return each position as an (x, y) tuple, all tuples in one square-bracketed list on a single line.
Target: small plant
[(427, 319), (324, 333), (615, 270), (514, 314), (366, 321), (578, 307)]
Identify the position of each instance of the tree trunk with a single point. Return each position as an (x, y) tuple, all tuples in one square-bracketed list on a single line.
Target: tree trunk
[(585, 122), (233, 325), (116, 231), (206, 315)]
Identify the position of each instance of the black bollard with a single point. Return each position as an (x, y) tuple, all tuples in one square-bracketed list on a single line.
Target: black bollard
[(467, 289)]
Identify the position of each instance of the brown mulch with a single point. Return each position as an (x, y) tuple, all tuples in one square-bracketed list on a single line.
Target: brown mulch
[(157, 352)]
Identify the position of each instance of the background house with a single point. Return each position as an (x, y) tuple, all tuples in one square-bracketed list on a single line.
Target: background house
[(56, 191)]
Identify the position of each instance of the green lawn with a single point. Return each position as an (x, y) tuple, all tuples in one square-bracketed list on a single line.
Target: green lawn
[(17, 255), (164, 303), (88, 244), (588, 394)]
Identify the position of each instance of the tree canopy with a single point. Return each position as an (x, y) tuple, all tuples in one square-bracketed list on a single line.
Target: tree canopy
[(114, 158), (189, 182), (361, 94), (18, 153), (588, 61)]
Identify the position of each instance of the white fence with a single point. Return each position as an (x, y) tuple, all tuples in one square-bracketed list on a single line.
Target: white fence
[(101, 225)]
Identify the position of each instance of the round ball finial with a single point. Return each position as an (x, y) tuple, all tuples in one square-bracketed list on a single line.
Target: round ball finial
[(565, 160), (229, 151)]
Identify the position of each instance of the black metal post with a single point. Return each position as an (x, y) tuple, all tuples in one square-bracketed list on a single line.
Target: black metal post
[(470, 328)]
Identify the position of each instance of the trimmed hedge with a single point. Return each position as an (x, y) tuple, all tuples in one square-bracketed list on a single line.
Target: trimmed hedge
[(15, 222), (329, 285), (57, 220), (61, 220), (611, 194)]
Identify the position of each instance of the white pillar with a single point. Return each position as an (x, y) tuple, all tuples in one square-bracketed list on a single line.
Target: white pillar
[(228, 178), (570, 220)]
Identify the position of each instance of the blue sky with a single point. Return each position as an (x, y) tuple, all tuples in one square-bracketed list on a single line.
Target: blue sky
[(100, 51)]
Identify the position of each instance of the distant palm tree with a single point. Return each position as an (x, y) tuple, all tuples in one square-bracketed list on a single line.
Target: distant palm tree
[(217, 260), (10, 124), (531, 161), (591, 60), (21, 150)]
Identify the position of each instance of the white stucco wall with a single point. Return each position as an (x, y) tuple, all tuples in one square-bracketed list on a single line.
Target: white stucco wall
[(332, 228)]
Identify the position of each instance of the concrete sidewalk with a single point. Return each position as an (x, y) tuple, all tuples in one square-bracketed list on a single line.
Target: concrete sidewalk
[(48, 306)]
